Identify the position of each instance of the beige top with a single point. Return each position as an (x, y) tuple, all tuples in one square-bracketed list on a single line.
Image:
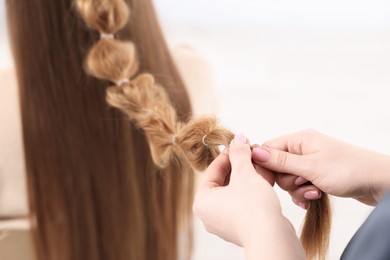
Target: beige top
[(14, 227)]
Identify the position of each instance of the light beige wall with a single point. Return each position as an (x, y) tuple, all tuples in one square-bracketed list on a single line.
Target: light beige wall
[(15, 245)]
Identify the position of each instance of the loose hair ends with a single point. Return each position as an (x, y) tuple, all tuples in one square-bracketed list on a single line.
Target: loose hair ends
[(316, 228), (94, 191)]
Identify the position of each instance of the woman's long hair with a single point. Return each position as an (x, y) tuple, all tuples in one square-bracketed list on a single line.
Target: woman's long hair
[(100, 187), (94, 191)]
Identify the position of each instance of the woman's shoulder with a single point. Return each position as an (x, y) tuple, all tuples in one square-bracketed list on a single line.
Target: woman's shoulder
[(197, 73)]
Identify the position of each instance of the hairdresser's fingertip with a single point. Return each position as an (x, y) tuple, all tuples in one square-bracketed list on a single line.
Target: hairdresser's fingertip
[(312, 195), (260, 155), (240, 139)]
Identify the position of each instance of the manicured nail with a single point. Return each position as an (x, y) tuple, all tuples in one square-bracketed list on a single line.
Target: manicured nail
[(300, 181), (240, 139), (260, 155), (303, 205), (312, 195)]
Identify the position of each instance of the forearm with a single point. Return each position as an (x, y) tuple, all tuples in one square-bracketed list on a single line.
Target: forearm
[(276, 240)]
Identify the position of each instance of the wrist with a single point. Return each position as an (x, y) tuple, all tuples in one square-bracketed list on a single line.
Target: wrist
[(380, 178)]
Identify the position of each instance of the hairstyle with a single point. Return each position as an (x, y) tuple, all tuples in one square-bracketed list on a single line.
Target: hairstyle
[(100, 187), (94, 192)]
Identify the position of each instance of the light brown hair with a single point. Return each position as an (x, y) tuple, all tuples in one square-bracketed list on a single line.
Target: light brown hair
[(99, 187), (94, 192)]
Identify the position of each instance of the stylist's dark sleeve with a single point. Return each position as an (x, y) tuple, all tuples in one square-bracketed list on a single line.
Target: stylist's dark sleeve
[(372, 240)]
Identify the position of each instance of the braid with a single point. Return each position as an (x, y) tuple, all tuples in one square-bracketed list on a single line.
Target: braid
[(109, 59), (145, 102), (149, 107), (103, 15)]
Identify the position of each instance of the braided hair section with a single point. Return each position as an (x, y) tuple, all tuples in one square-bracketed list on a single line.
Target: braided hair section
[(148, 106), (141, 98)]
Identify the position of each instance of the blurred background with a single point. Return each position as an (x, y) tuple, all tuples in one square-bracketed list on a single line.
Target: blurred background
[(281, 66)]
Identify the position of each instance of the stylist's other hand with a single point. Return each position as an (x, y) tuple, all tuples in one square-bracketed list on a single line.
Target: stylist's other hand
[(237, 204), (333, 166)]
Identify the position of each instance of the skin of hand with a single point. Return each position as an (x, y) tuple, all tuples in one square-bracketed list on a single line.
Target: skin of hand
[(333, 166), (236, 203)]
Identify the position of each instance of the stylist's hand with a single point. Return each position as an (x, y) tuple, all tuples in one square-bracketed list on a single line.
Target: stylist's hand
[(334, 167), (236, 203)]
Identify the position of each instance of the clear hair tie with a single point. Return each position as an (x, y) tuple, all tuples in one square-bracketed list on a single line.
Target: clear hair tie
[(148, 112), (121, 81), (106, 36), (173, 139), (204, 140)]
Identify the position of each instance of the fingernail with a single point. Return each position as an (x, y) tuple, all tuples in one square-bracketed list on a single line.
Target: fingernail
[(312, 195), (260, 155), (240, 139), (300, 181), (303, 205)]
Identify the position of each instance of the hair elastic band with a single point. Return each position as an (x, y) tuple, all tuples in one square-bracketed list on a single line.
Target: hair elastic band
[(203, 140), (148, 112), (121, 81), (173, 139), (106, 36)]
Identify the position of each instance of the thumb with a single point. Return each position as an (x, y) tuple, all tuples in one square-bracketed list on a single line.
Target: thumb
[(217, 172), (281, 161), (240, 155)]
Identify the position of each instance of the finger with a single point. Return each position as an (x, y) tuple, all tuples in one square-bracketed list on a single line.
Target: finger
[(305, 193), (217, 172), (280, 143), (286, 181), (283, 162), (289, 182), (293, 143), (240, 155), (290, 143)]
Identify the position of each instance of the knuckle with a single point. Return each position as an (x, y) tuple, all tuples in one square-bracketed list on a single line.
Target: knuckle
[(281, 160)]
